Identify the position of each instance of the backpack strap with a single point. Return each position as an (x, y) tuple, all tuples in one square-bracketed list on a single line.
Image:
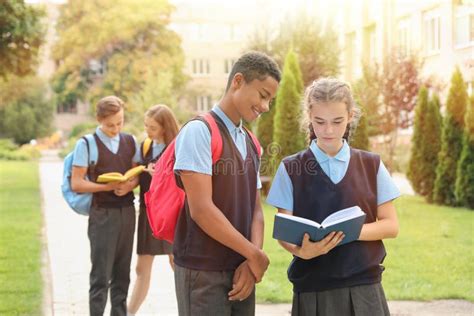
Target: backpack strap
[(145, 147), (216, 137), (92, 149), (92, 152), (255, 142)]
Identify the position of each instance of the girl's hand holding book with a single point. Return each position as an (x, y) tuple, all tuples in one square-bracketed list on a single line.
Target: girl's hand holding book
[(309, 249)]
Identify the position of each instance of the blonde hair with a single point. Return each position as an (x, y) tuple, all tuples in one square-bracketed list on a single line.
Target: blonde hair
[(109, 105), (163, 115), (328, 90)]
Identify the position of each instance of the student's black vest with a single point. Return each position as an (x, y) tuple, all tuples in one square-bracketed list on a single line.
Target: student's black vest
[(234, 189), (315, 197), (145, 177), (110, 162)]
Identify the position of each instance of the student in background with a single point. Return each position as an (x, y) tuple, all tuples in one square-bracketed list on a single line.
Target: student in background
[(219, 234), (112, 216), (322, 179), (161, 127)]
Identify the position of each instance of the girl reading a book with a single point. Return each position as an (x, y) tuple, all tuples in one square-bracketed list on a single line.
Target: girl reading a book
[(326, 177), (161, 127), (112, 215)]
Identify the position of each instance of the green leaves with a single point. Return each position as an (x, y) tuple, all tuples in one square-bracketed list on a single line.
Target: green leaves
[(127, 41), (451, 146), (21, 35), (287, 133), (25, 113)]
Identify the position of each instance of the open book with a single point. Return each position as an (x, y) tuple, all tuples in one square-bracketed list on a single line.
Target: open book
[(291, 228), (117, 176)]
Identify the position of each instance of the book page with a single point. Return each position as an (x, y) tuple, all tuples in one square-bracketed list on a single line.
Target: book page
[(299, 219), (110, 177), (134, 171), (342, 215)]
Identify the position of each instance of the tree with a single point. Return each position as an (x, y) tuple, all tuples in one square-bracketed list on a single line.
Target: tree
[(400, 83), (115, 47), (287, 134), (360, 138), (417, 166), (464, 189), (266, 121), (25, 113), (317, 49), (367, 91), (426, 143), (432, 136), (451, 141), (158, 90), (265, 136), (21, 35)]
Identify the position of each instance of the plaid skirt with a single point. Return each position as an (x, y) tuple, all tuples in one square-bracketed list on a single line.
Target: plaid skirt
[(358, 300)]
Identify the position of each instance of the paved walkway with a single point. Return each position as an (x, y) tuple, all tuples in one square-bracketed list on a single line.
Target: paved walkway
[(68, 257)]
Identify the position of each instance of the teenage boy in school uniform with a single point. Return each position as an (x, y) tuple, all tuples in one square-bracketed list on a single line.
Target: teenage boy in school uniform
[(219, 234), (112, 216)]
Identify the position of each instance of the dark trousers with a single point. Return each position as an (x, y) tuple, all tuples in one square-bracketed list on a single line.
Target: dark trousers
[(205, 293), (111, 238)]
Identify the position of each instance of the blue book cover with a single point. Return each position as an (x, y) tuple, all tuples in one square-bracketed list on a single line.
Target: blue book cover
[(291, 228)]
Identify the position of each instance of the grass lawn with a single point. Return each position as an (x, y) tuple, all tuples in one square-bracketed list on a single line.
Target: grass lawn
[(432, 257), (20, 239)]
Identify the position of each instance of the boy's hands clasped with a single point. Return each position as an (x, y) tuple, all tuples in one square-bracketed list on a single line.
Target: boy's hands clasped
[(309, 249), (247, 274), (243, 283), (258, 264)]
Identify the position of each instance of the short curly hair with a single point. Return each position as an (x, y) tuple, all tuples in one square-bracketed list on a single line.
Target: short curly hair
[(255, 65)]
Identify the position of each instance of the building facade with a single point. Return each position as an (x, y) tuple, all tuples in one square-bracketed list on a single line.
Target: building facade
[(441, 32), (213, 35)]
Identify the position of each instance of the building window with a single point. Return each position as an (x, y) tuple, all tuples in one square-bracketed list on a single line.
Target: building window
[(203, 103), (431, 32), (464, 25), (201, 66), (97, 67), (202, 32), (404, 36), (228, 64), (70, 107)]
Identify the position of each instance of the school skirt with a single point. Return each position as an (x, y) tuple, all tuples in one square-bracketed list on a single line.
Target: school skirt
[(357, 300), (146, 243)]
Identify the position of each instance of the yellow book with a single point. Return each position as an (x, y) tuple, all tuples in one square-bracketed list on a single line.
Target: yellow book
[(117, 176)]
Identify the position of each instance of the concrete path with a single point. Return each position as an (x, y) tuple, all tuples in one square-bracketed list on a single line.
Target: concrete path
[(67, 253), (68, 248), (403, 184)]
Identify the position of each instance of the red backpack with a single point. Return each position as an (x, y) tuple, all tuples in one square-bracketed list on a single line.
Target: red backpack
[(165, 199)]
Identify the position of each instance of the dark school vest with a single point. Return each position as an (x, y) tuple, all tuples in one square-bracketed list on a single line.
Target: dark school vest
[(145, 177), (315, 197), (110, 162), (234, 189)]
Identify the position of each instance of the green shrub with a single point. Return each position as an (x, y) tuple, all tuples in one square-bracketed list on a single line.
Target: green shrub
[(10, 151), (287, 133), (464, 189), (451, 141)]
